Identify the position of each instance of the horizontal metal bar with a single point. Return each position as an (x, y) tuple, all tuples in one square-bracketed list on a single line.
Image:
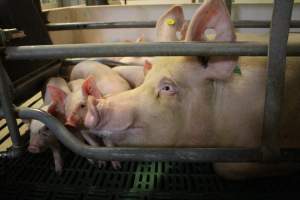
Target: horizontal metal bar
[(149, 154), (99, 25), (148, 24), (108, 62), (145, 49)]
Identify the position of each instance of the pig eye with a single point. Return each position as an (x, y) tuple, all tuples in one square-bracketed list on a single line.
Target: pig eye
[(82, 105), (168, 89)]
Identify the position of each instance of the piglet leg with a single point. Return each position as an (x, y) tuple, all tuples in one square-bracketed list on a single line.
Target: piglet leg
[(116, 164), (92, 141), (58, 161)]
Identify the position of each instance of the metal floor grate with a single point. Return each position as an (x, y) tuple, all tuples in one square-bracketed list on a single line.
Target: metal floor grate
[(32, 177)]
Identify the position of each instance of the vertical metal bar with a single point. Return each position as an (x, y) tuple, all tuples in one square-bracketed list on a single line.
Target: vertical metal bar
[(229, 5), (276, 71), (8, 109)]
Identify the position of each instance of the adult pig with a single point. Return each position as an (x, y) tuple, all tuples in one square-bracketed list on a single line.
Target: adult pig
[(195, 102)]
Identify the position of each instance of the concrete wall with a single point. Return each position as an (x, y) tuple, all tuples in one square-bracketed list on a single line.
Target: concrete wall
[(141, 13)]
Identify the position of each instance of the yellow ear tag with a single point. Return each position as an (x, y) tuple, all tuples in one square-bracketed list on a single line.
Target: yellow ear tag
[(170, 21)]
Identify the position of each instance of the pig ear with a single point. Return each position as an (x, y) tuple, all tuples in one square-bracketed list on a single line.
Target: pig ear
[(169, 24), (89, 87), (183, 30), (92, 116), (52, 109), (147, 67), (57, 95), (214, 14)]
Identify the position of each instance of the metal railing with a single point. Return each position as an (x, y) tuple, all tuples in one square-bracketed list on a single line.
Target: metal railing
[(277, 50), (149, 24)]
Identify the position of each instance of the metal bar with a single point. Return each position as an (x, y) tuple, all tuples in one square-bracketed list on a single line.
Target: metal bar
[(275, 84), (150, 154), (145, 49), (99, 25), (148, 24), (108, 62), (8, 109), (229, 5)]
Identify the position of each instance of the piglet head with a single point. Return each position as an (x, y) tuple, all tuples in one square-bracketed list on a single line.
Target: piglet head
[(76, 101), (41, 137)]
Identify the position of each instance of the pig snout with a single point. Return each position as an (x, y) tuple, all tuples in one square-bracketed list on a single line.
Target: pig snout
[(108, 119), (33, 149), (73, 120)]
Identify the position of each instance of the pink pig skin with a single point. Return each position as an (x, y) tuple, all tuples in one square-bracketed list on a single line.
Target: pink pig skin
[(90, 78), (133, 74), (108, 81)]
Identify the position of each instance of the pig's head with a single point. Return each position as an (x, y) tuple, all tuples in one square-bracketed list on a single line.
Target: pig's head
[(175, 104), (40, 137), (74, 103)]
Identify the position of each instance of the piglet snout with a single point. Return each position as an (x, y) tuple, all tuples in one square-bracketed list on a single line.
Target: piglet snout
[(72, 121), (33, 149)]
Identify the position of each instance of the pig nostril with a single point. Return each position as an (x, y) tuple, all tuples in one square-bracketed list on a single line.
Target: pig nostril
[(70, 124), (33, 149)]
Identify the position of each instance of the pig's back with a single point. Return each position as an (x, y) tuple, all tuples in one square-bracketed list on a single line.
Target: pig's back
[(133, 74), (240, 104), (108, 81), (242, 117)]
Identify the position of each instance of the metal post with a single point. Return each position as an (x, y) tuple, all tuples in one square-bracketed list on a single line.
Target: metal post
[(8, 108), (275, 84), (229, 5)]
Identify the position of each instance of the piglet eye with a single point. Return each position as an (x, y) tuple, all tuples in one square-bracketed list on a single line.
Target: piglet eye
[(82, 106)]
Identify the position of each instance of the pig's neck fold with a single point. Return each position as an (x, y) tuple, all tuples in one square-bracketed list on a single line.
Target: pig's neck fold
[(222, 133)]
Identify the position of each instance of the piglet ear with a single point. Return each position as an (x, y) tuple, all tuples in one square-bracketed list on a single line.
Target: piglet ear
[(92, 117), (214, 14), (169, 24), (147, 67), (57, 95), (89, 87)]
